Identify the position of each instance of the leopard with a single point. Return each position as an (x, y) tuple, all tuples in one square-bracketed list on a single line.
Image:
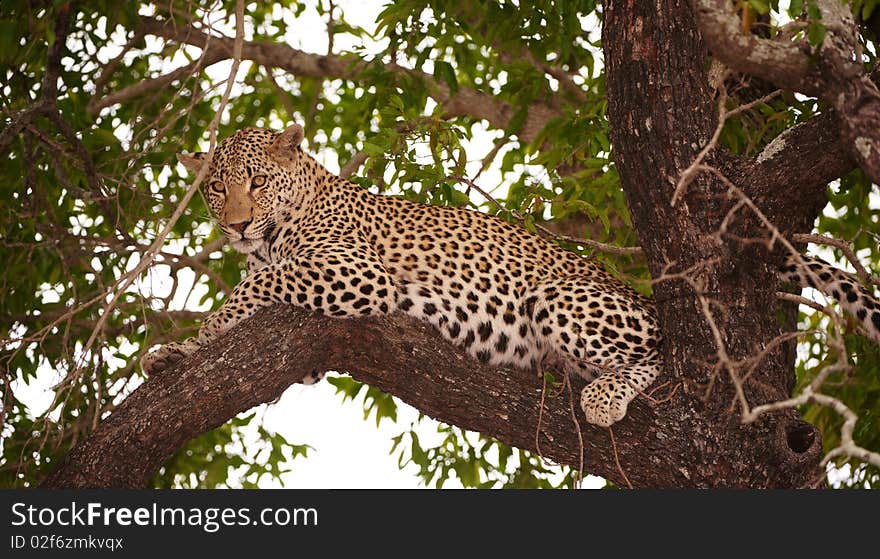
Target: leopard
[(505, 295)]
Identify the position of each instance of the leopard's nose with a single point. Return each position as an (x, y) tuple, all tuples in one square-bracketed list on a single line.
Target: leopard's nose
[(240, 226)]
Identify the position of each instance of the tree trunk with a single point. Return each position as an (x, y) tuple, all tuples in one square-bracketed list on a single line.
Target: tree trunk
[(662, 113)]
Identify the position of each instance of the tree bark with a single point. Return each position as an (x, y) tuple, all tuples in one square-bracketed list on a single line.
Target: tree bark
[(833, 72), (662, 113), (410, 360)]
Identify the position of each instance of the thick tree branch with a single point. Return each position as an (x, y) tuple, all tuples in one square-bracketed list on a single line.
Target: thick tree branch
[(809, 154), (786, 64), (693, 439), (464, 101), (793, 171), (409, 359), (799, 163), (833, 73)]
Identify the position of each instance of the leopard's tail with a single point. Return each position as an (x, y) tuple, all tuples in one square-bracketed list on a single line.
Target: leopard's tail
[(806, 271)]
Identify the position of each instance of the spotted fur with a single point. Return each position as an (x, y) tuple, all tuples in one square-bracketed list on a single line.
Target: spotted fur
[(508, 297), (805, 271)]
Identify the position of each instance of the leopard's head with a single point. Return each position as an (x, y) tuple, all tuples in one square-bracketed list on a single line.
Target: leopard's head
[(253, 175)]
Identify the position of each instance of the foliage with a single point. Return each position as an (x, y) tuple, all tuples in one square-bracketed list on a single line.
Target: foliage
[(88, 192), (224, 457)]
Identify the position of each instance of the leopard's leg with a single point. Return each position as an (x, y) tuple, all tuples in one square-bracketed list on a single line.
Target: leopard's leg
[(342, 287), (595, 331), (162, 358), (605, 400)]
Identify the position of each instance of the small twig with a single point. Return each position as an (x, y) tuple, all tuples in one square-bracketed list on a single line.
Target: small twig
[(667, 398), (490, 157), (687, 176), (801, 300), (540, 417), (864, 275), (546, 232), (617, 459), (577, 426)]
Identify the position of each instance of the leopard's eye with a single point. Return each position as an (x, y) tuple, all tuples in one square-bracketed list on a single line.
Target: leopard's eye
[(259, 181), (218, 187)]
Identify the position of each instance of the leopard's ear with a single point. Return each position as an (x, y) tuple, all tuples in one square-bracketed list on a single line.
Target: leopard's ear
[(285, 144), (192, 161)]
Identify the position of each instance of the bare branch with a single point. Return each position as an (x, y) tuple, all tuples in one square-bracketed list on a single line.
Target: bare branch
[(843, 246), (833, 73), (801, 300), (465, 101)]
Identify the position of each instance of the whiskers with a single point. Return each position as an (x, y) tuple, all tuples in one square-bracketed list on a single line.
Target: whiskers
[(269, 229)]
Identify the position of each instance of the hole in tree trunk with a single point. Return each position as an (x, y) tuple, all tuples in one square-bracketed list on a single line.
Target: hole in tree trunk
[(800, 438)]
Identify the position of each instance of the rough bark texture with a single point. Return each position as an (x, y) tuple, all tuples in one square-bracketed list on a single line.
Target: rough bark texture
[(654, 52), (832, 72), (662, 112), (406, 358)]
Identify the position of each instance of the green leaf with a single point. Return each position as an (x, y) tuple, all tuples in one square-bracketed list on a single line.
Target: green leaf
[(444, 71), (348, 387), (373, 149), (760, 6), (816, 34)]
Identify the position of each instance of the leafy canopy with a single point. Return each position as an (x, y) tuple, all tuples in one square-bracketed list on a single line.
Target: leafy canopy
[(88, 191)]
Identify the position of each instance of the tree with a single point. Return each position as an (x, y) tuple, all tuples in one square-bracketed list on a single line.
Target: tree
[(667, 133)]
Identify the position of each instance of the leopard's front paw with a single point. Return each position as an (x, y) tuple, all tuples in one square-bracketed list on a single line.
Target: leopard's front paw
[(164, 357), (605, 400)]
